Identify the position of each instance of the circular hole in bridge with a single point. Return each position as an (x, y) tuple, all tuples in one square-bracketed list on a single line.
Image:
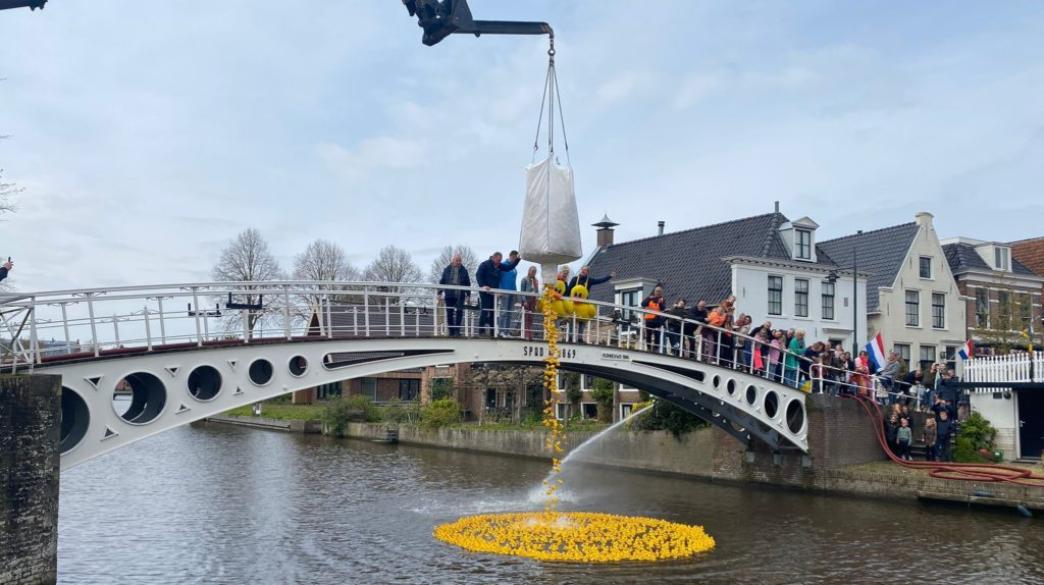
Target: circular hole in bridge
[(795, 416), (731, 387), (752, 394), (204, 383), (717, 381), (771, 404), (139, 398), (261, 372), (298, 366), (75, 420)]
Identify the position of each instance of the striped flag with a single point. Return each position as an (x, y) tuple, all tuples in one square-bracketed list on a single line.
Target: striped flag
[(967, 350), (876, 351)]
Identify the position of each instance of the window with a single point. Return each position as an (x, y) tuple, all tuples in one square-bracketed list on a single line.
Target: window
[(630, 298), (913, 308), (982, 307), (938, 311), (828, 300), (625, 410), (1001, 258), (409, 390), (491, 398), (775, 295), (927, 356), (951, 357), (588, 382), (926, 267), (804, 245), (800, 297), (904, 352), (561, 411), (1025, 309), (589, 409), (368, 388), (1003, 306)]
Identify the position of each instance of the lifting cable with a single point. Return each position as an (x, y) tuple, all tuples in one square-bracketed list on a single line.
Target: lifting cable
[(548, 98), (982, 472)]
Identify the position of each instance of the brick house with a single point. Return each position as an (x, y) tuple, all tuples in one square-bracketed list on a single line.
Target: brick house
[(1003, 296)]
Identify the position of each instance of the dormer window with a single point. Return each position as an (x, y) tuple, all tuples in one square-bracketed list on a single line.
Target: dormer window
[(1002, 258), (803, 244)]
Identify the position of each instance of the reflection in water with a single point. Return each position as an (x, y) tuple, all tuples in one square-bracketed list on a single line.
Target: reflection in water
[(228, 505)]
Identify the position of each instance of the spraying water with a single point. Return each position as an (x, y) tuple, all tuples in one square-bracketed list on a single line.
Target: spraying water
[(604, 432), (537, 494)]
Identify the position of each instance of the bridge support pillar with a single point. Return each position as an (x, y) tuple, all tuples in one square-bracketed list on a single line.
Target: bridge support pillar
[(30, 429)]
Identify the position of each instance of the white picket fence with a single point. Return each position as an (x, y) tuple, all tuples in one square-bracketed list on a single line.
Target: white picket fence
[(1014, 367)]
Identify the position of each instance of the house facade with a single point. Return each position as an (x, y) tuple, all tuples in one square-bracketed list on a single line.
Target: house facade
[(774, 266), (912, 298), (1003, 295)]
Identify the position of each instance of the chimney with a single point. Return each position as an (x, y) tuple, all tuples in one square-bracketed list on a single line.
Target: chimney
[(923, 218), (605, 231), (777, 206), (659, 226)]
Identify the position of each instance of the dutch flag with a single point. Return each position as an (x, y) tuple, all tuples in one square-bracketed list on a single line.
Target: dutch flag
[(875, 349), (967, 351)]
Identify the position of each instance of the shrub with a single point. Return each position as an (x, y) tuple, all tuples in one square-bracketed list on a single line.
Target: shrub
[(338, 413), (665, 416), (974, 438), (397, 411), (604, 393), (440, 413)]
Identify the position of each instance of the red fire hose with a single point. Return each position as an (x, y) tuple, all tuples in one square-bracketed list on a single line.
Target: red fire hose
[(984, 472)]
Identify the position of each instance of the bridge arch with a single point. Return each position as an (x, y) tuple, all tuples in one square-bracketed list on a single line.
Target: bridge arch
[(735, 401)]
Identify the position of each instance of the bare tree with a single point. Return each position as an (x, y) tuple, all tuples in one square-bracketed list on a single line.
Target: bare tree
[(6, 191), (393, 265), (467, 257), (246, 258), (322, 260)]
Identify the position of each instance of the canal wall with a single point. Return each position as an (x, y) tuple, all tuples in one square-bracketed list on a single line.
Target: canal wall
[(30, 418), (844, 457), (271, 424)]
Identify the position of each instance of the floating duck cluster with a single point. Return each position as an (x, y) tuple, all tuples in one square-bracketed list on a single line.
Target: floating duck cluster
[(583, 537)]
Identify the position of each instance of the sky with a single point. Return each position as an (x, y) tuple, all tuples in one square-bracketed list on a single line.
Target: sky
[(148, 134)]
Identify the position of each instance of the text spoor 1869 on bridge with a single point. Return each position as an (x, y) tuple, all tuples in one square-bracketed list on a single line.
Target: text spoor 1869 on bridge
[(541, 351)]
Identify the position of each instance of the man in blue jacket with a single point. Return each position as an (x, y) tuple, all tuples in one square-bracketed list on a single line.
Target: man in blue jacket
[(488, 277), (508, 281)]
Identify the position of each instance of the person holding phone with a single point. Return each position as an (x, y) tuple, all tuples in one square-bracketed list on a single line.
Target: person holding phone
[(7, 267)]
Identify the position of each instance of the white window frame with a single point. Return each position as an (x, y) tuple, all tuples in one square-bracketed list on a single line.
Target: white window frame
[(1002, 258), (943, 316), (805, 292), (906, 308), (800, 246), (833, 300), (771, 290), (931, 268)]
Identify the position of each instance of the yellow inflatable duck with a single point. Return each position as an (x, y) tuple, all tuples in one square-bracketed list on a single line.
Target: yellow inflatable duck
[(581, 309), (562, 306)]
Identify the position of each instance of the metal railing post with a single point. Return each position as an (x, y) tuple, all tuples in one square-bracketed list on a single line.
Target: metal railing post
[(355, 320), (286, 312), (34, 345), (94, 326), (195, 314), (496, 315), (116, 329), (366, 310), (435, 316), (329, 318), (163, 327), (65, 327), (148, 330), (402, 317), (387, 317), (244, 316)]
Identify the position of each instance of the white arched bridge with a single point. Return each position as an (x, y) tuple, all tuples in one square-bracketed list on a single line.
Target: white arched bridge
[(173, 354)]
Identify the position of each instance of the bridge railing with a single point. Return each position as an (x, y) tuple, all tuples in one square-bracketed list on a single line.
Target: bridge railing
[(53, 326)]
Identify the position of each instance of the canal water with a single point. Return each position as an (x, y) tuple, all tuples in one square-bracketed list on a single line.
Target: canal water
[(229, 505)]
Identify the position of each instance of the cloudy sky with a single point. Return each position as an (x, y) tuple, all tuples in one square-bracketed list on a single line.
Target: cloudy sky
[(146, 134)]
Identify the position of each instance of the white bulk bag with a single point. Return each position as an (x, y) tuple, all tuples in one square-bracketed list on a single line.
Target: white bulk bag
[(550, 224)]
